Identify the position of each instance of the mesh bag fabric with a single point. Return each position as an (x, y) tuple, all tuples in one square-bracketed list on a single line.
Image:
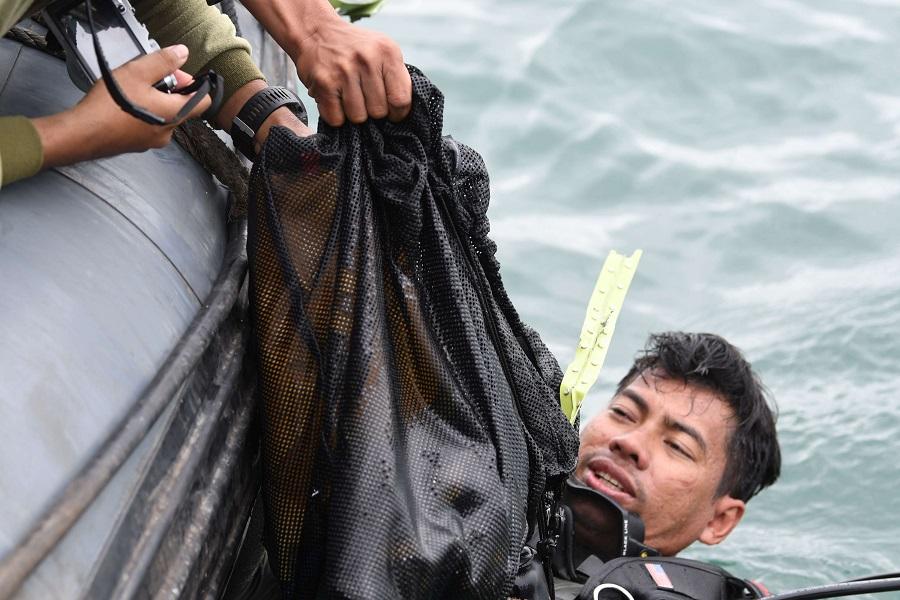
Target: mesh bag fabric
[(410, 419)]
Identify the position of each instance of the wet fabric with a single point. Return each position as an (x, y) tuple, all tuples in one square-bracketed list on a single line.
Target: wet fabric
[(410, 419)]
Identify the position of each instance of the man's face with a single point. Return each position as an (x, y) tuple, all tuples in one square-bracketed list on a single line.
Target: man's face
[(659, 450)]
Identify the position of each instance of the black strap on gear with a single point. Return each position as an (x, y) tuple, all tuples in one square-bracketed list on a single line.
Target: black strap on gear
[(664, 578), (549, 527)]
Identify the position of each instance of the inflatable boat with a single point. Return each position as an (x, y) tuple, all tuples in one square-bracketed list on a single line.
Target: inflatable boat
[(126, 444)]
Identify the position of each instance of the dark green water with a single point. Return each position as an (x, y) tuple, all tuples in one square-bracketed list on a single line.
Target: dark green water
[(752, 150)]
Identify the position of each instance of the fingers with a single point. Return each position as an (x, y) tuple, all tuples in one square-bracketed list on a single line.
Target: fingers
[(183, 79), (282, 117), (354, 102), (398, 91), (145, 71), (328, 100), (153, 67), (365, 92), (376, 102)]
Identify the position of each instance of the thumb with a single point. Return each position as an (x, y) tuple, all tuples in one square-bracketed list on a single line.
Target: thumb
[(153, 67)]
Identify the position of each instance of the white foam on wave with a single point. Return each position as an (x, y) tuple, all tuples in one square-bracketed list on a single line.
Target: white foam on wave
[(830, 25), (816, 195), (715, 23), (751, 158), (887, 107), (817, 286), (592, 122), (543, 29), (513, 183), (588, 235)]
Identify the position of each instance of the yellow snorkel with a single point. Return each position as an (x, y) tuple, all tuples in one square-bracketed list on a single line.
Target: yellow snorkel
[(597, 331)]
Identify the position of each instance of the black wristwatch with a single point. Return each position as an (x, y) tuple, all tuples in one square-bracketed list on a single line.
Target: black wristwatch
[(256, 110)]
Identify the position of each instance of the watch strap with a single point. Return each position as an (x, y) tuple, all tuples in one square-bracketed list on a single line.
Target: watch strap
[(256, 110)]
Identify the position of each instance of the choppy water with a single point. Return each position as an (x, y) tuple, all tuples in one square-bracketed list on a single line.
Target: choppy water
[(752, 150)]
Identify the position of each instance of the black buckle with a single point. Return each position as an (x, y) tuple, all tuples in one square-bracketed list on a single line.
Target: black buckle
[(549, 528)]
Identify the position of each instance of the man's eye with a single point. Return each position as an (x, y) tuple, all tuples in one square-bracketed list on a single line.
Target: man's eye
[(679, 449), (619, 412)]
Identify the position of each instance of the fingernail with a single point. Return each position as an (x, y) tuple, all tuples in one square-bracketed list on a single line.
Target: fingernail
[(181, 51)]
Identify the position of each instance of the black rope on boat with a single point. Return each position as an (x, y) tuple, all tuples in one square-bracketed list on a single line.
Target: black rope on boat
[(211, 152), (202, 143), (77, 496), (32, 39), (171, 493)]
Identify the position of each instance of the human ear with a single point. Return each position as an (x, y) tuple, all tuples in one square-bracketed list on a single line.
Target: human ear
[(727, 514)]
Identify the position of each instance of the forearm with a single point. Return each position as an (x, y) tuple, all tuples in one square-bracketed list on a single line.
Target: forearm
[(44, 142), (290, 22), (63, 139), (70, 137)]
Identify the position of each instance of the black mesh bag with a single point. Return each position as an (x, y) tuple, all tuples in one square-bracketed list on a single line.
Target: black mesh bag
[(411, 421)]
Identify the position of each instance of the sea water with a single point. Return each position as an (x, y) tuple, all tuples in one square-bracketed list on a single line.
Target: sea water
[(752, 150)]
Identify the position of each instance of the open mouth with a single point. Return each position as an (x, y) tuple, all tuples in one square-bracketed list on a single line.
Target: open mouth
[(610, 480), (605, 476)]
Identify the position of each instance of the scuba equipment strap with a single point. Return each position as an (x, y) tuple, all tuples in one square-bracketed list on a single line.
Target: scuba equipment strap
[(665, 578), (597, 331), (534, 578), (549, 525), (209, 83), (617, 592)]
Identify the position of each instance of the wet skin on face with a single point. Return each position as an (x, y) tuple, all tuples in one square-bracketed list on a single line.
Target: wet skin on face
[(659, 450)]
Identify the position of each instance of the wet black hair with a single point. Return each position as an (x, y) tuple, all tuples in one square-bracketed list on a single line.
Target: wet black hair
[(709, 361)]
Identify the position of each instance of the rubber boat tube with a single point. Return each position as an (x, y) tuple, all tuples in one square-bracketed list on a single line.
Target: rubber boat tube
[(126, 437)]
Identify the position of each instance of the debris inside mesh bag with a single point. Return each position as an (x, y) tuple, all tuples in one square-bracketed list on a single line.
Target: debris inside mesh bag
[(411, 421)]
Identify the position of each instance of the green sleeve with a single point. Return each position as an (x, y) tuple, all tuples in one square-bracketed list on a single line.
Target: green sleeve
[(21, 154), (13, 10), (208, 34)]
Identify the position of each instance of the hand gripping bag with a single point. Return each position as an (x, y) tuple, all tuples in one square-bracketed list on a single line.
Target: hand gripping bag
[(411, 421)]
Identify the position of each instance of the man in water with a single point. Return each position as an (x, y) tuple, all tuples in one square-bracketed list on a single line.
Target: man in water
[(687, 439)]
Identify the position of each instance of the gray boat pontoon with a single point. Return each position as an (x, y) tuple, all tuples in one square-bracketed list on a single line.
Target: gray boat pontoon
[(126, 433)]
